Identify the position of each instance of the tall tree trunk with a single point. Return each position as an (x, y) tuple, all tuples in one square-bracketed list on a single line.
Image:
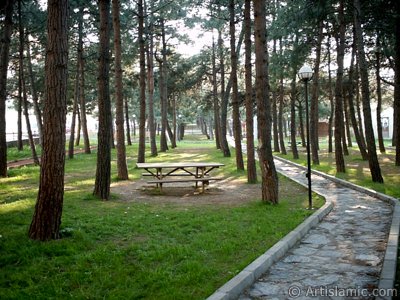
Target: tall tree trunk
[(20, 145), (22, 85), (46, 220), (237, 128), (103, 169), (343, 125), (210, 124), (150, 87), (224, 100), (340, 41), (174, 121), (74, 112), (379, 99), (269, 185), (4, 59), (347, 120), (35, 98), (142, 85), (314, 114), (78, 130), (169, 131), (119, 97), (361, 145), (331, 99), (112, 131), (280, 117), (275, 121), (217, 119), (28, 123), (359, 104), (82, 100), (251, 162), (369, 132), (128, 128), (274, 93), (301, 125), (163, 92), (293, 131), (396, 104)]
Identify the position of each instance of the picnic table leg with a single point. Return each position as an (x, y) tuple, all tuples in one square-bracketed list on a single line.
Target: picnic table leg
[(159, 173), (203, 182), (197, 176)]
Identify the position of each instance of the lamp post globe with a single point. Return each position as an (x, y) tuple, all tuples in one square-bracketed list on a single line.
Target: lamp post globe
[(305, 75)]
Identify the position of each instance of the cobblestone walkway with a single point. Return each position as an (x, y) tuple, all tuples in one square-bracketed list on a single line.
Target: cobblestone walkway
[(341, 258)]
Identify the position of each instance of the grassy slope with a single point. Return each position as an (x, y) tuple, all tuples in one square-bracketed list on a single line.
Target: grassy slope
[(119, 249), (357, 170)]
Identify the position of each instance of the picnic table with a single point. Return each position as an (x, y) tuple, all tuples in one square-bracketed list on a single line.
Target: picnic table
[(175, 172)]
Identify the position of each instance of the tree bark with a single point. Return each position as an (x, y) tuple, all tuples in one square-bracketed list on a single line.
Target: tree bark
[(280, 117), (361, 145), (269, 185), (359, 104), (142, 86), (396, 104), (78, 130), (82, 100), (217, 119), (293, 131), (163, 92), (22, 86), (119, 97), (35, 98), (275, 122), (314, 114), (237, 128), (346, 127), (128, 128), (274, 93), (347, 120), (340, 41), (20, 145), (173, 131), (4, 59), (224, 100), (74, 111), (331, 99), (28, 123), (379, 99), (150, 87), (301, 125), (369, 132), (46, 220), (103, 169), (251, 162)]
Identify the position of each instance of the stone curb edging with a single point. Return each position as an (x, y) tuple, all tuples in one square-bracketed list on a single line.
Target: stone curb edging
[(234, 287), (388, 272)]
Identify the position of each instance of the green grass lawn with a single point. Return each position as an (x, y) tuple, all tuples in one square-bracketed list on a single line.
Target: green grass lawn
[(121, 249), (357, 170), (13, 153)]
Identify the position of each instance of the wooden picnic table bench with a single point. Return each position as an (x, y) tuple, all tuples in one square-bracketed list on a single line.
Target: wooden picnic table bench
[(191, 171)]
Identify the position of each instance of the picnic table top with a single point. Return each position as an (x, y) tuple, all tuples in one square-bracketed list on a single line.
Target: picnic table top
[(179, 165)]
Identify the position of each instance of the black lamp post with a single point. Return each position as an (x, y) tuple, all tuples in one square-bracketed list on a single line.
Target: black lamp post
[(305, 75)]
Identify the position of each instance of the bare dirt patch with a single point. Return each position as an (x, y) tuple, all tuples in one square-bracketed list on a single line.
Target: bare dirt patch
[(230, 191)]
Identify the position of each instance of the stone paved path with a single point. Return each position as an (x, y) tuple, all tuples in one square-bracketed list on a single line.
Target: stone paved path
[(341, 256)]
